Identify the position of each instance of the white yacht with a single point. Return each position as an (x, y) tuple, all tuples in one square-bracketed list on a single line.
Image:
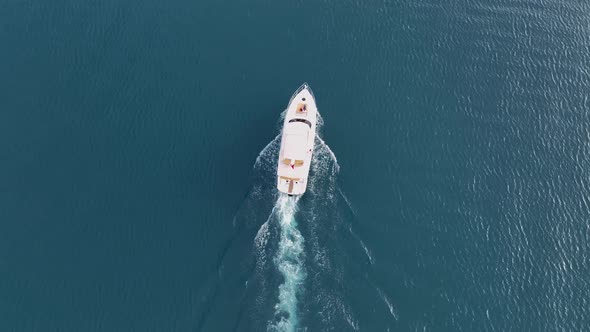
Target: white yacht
[(297, 142)]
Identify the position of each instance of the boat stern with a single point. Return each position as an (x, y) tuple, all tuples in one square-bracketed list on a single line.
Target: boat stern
[(291, 186)]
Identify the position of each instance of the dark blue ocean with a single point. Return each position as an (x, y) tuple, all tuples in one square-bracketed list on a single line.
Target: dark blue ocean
[(450, 185)]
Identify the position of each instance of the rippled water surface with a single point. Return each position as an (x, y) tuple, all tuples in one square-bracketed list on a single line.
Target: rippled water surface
[(450, 187)]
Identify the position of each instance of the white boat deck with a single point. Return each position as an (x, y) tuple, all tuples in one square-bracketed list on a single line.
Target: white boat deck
[(297, 143)]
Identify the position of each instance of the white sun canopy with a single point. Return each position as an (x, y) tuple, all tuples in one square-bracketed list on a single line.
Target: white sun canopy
[(295, 146)]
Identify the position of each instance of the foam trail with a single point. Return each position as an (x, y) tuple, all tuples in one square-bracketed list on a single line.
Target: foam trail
[(270, 148), (367, 252), (261, 238), (388, 303), (347, 202), (332, 155), (289, 261)]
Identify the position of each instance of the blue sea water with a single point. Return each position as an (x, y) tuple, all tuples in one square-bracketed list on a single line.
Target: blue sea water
[(450, 187)]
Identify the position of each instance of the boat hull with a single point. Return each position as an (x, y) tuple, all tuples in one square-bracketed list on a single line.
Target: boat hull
[(297, 142)]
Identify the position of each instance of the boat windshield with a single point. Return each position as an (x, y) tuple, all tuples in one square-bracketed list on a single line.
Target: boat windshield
[(301, 120)]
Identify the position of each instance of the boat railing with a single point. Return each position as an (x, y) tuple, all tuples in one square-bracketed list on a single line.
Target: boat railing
[(301, 88)]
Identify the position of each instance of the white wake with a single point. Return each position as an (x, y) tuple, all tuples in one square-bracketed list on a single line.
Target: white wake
[(290, 263)]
